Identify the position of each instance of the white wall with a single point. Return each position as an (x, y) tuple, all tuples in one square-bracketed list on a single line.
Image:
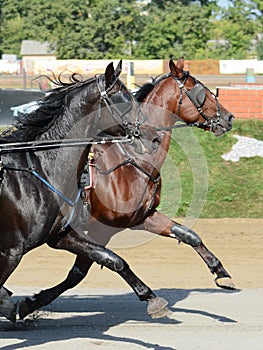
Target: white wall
[(240, 66), (7, 67)]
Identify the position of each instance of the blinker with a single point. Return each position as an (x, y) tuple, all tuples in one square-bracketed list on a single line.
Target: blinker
[(197, 95), (122, 102)]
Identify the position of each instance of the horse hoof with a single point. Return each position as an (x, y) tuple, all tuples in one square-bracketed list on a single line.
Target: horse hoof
[(157, 307), (23, 310), (162, 313), (12, 316), (225, 282)]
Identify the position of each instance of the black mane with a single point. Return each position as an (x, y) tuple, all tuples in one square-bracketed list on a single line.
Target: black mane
[(29, 125), (145, 89)]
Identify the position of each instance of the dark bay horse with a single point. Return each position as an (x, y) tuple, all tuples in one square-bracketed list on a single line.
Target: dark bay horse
[(126, 187), (39, 188)]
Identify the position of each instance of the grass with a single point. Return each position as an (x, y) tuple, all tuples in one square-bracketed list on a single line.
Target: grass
[(233, 189)]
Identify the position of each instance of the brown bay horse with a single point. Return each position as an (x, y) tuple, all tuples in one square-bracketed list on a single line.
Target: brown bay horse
[(125, 192)]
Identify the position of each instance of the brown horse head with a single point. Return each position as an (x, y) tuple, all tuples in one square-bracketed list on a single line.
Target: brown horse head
[(196, 103), (187, 99)]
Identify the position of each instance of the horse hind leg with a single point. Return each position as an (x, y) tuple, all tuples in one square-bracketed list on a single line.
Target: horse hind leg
[(157, 307), (79, 244), (77, 273)]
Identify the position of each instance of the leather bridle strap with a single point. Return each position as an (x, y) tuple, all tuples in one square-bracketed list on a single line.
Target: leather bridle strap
[(209, 122), (108, 103)]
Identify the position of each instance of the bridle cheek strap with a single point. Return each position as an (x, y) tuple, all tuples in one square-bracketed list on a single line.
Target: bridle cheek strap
[(209, 122)]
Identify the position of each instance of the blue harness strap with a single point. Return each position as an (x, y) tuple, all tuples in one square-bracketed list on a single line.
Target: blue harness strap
[(61, 195), (52, 188)]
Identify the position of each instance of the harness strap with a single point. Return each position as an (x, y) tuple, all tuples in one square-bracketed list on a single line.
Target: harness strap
[(107, 101), (131, 161), (155, 180), (32, 170), (208, 121)]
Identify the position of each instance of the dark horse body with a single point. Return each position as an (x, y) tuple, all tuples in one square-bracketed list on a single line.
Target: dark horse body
[(39, 189), (126, 188)]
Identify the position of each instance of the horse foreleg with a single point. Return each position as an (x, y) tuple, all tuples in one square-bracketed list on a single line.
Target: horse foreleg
[(79, 244), (162, 225), (7, 307), (75, 276)]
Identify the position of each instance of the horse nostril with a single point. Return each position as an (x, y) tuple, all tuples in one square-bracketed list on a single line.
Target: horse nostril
[(231, 118), (157, 141)]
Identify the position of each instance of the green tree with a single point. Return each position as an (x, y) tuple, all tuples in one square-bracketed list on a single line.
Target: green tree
[(112, 30), (236, 27), (96, 29), (175, 31), (28, 20)]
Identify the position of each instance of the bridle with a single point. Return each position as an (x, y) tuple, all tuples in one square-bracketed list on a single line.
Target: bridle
[(119, 105), (197, 96)]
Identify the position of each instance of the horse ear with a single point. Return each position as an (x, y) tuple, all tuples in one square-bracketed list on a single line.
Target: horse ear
[(109, 75), (180, 63), (176, 70), (118, 69)]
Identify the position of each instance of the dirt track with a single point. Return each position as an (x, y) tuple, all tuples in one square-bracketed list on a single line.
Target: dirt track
[(103, 312), (161, 262)]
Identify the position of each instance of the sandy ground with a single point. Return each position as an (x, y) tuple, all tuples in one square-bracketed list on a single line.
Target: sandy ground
[(102, 312), (160, 261)]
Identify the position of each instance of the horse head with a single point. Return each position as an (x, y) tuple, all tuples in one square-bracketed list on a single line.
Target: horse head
[(117, 109), (196, 104)]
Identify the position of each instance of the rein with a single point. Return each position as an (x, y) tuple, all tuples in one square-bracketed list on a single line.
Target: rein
[(168, 128), (53, 144)]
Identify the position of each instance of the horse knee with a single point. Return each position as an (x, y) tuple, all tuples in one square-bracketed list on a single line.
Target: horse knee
[(185, 235), (107, 258)]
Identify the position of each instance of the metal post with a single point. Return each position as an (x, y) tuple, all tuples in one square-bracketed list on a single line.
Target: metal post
[(130, 76), (24, 78), (250, 75)]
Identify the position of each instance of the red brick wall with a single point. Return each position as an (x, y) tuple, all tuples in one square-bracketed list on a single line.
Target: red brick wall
[(243, 103)]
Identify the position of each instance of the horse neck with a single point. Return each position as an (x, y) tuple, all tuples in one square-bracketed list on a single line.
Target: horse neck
[(161, 107), (165, 99), (75, 121)]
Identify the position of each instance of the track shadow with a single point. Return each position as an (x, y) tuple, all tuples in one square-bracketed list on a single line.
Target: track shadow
[(92, 316)]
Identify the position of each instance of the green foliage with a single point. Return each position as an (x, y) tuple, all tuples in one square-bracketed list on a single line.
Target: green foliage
[(95, 29), (234, 189)]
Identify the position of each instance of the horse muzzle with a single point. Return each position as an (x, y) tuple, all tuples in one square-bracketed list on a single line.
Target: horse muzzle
[(223, 125)]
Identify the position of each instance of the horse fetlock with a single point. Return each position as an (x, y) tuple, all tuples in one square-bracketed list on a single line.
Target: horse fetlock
[(185, 235), (29, 305), (7, 306), (108, 259), (25, 308)]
